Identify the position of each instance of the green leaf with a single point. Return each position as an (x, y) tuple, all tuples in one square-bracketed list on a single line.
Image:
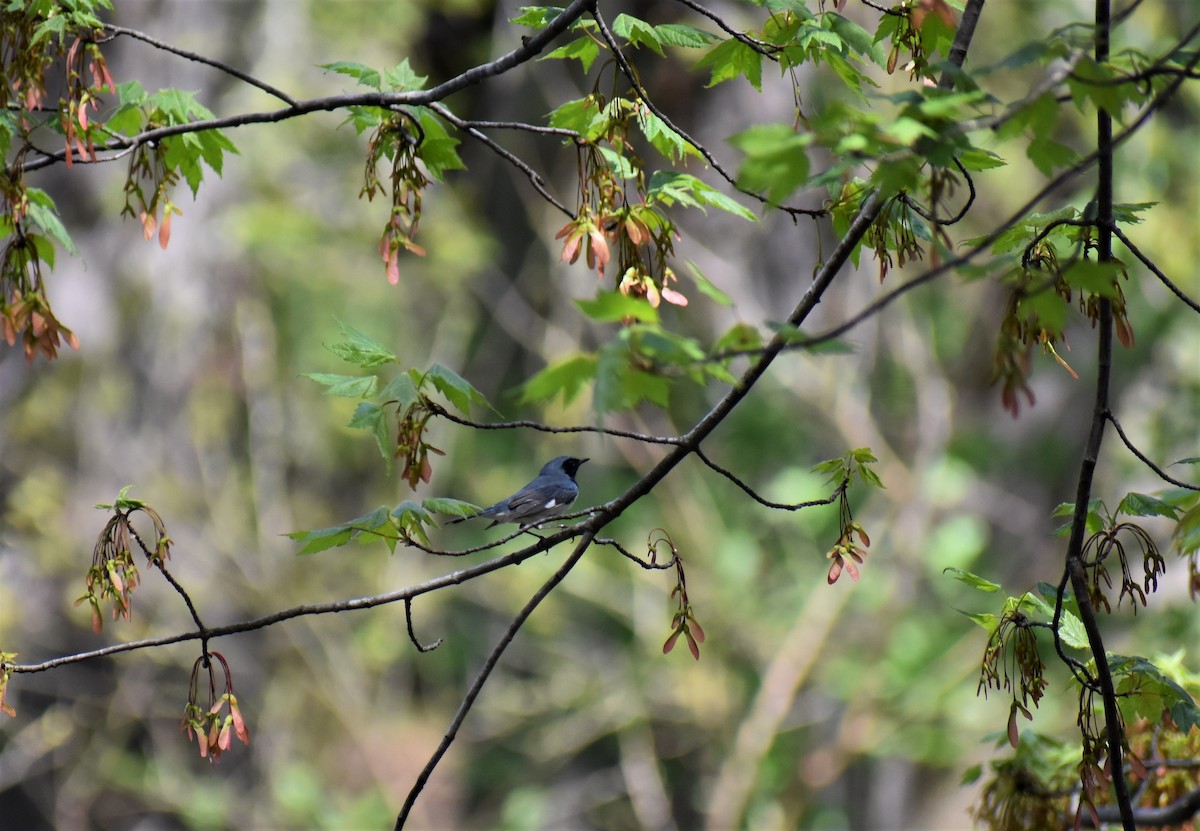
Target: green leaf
[(365, 75), (1071, 631), (536, 17), (740, 337), (971, 775), (370, 416), (972, 580), (1128, 213), (1187, 533), (567, 378), (1049, 155), (732, 58), (1095, 516), (682, 35), (402, 389), (619, 386), (375, 525), (614, 307), (457, 390), (411, 518), (1139, 504), (976, 158), (637, 32), (1093, 277), (438, 148), (907, 131), (581, 115), (776, 160), (1044, 310), (451, 507), (43, 212), (345, 386), (670, 187), (986, 621), (706, 287), (402, 78), (583, 49), (321, 539), (665, 140), (213, 146), (361, 349), (123, 502), (1145, 690), (662, 346), (856, 37)]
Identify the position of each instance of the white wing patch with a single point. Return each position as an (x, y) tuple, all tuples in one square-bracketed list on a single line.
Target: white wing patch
[(551, 504)]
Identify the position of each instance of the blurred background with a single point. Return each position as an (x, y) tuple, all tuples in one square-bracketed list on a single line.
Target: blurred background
[(851, 706)]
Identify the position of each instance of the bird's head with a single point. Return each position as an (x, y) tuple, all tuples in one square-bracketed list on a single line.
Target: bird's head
[(563, 464)]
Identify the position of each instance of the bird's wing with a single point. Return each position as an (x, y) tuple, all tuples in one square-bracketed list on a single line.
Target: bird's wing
[(538, 497)]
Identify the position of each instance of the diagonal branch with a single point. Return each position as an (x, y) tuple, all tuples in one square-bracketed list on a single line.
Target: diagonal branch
[(1145, 459), (485, 672), (1155, 270)]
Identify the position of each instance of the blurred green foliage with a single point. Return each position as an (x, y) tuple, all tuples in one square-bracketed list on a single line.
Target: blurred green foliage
[(812, 706)]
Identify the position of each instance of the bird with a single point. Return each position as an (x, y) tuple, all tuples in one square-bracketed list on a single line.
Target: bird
[(551, 493)]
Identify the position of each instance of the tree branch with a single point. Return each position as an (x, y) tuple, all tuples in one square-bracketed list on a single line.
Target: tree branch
[(1155, 270), (781, 506), (1173, 814), (192, 56), (530, 47), (437, 409), (1162, 474), (454, 578), (1075, 568), (485, 672), (535, 178)]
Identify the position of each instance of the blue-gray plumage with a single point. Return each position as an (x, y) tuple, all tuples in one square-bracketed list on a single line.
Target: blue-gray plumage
[(551, 493)]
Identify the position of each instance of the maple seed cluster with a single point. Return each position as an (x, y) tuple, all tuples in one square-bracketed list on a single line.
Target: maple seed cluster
[(846, 555), (113, 574), (683, 622), (212, 731)]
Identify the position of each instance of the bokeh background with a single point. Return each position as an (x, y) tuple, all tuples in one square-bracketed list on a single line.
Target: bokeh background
[(852, 706)]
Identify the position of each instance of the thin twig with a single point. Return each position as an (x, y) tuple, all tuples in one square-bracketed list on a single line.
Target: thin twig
[(1155, 270), (624, 552), (437, 409), (412, 635), (535, 178), (781, 506), (762, 47), (1146, 461), (192, 56)]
